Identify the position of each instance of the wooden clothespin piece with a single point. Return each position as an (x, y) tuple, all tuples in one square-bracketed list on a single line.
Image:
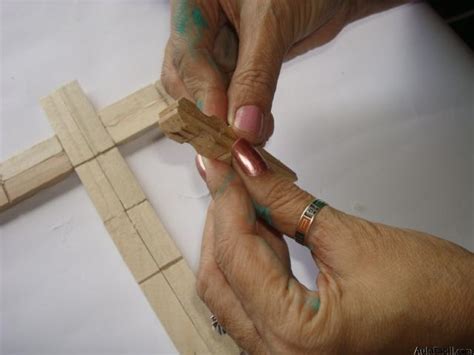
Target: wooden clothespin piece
[(183, 122)]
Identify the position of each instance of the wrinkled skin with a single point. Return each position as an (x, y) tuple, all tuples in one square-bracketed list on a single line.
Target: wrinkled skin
[(225, 54), (380, 288)]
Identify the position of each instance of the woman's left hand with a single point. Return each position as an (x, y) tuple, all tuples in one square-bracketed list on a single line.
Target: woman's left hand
[(380, 288)]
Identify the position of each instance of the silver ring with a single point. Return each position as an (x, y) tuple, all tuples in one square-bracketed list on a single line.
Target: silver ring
[(307, 218), (219, 329)]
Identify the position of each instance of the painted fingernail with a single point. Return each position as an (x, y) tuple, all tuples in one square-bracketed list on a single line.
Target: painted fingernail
[(248, 158), (249, 119), (200, 166)]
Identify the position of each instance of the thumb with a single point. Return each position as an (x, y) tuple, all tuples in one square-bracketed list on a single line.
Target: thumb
[(253, 84)]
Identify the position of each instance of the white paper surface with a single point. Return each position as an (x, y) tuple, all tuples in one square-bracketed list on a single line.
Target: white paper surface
[(379, 123)]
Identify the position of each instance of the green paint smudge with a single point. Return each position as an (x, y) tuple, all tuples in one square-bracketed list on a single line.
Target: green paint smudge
[(263, 213), (200, 104), (198, 18), (190, 23), (200, 24), (314, 303), (225, 183), (181, 18)]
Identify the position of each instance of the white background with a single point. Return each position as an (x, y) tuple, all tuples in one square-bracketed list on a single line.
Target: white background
[(379, 123)]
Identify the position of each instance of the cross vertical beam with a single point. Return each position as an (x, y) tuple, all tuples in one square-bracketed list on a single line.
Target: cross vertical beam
[(145, 246)]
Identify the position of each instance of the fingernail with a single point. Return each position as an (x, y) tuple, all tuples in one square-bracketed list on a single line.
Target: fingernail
[(200, 166), (249, 119), (248, 158)]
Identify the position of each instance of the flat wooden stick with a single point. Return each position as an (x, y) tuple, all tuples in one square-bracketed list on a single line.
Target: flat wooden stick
[(173, 317), (135, 113), (3, 198), (130, 245), (183, 122), (47, 163), (76, 123), (145, 246), (100, 190), (154, 235), (121, 178), (32, 170)]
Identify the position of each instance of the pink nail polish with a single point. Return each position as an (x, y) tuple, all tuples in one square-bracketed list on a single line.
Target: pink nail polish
[(200, 166), (248, 158), (249, 119)]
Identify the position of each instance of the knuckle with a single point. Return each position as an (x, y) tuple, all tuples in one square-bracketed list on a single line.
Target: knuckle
[(194, 85), (255, 78), (224, 253), (177, 58), (283, 194), (167, 80), (164, 76), (200, 84), (229, 258)]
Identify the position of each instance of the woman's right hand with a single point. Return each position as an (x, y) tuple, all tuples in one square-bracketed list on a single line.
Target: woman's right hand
[(226, 55)]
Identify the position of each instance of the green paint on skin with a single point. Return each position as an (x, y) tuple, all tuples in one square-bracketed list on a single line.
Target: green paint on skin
[(200, 24), (198, 19), (200, 104), (263, 213), (190, 23), (181, 18), (225, 183), (314, 303), (184, 14)]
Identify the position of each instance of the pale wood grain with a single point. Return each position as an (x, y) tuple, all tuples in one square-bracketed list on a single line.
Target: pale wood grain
[(183, 282), (34, 169), (130, 117), (86, 117), (140, 237), (29, 158), (37, 177), (99, 190), (153, 233), (131, 247), (134, 114), (66, 129), (76, 123), (172, 316), (121, 178), (3, 198)]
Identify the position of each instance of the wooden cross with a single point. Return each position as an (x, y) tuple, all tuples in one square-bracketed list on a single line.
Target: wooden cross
[(86, 142)]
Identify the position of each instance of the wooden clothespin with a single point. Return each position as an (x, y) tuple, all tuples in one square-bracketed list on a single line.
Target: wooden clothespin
[(183, 122)]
